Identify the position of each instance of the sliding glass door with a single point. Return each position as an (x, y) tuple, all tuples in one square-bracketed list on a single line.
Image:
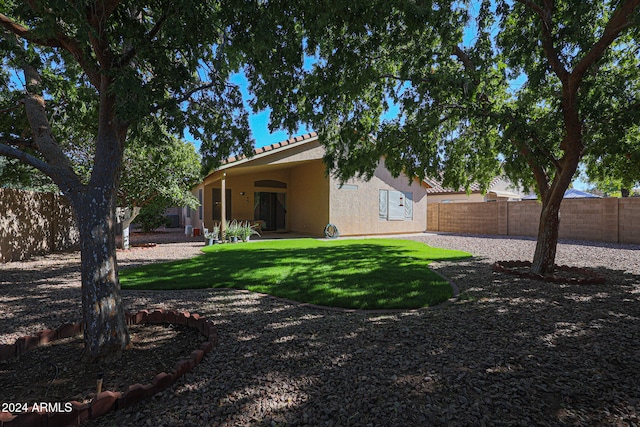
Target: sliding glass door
[(271, 208)]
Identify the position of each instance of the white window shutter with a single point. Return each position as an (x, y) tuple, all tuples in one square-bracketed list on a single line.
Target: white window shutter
[(408, 205), (383, 203), (396, 206)]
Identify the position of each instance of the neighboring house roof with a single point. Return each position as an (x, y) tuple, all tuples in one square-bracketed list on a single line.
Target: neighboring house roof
[(436, 187), (571, 193), (504, 194)]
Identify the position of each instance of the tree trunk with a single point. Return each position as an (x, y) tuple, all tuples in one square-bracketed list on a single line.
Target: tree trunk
[(545, 255), (105, 329), (126, 223)]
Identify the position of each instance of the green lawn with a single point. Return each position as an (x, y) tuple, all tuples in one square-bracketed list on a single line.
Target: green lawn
[(365, 273)]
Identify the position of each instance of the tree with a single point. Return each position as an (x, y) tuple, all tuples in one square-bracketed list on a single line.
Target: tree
[(616, 171), (558, 81), (158, 171), (112, 64), (158, 175)]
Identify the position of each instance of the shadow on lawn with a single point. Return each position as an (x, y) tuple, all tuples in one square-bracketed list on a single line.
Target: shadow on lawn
[(514, 352), (353, 276)]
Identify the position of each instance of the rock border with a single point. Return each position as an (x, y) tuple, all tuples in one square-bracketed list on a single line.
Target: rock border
[(138, 246), (109, 400), (583, 275)]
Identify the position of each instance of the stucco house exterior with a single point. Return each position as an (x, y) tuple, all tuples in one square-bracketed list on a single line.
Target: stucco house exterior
[(284, 186)]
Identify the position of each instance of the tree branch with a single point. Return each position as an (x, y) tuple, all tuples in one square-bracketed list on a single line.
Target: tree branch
[(60, 41), (9, 109), (546, 153), (540, 175), (6, 150), (18, 142), (131, 53), (24, 32), (620, 20), (545, 16), (183, 98), (464, 58)]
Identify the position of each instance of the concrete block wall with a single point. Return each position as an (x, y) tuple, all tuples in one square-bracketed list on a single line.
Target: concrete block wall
[(433, 215), (34, 223), (606, 220), (523, 217), (480, 217), (629, 220)]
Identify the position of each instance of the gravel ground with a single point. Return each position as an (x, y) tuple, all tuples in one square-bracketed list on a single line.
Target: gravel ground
[(511, 351)]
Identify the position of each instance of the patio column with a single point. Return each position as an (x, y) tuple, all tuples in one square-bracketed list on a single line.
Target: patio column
[(223, 207)]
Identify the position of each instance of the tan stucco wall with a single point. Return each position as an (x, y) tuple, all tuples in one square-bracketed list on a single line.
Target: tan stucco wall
[(308, 199), (608, 220), (237, 182), (355, 211), (34, 223), (313, 199)]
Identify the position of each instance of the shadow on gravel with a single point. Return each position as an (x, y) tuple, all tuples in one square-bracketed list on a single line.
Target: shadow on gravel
[(510, 352), (57, 288)]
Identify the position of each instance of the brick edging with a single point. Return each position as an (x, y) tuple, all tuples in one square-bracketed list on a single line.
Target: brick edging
[(582, 276), (109, 400)]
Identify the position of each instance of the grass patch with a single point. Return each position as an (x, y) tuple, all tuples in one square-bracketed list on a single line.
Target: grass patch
[(363, 274)]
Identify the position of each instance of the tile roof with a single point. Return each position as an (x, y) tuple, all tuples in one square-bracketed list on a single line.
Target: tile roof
[(274, 147), (437, 188)]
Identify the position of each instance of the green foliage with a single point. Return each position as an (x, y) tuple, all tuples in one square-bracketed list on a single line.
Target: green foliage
[(369, 56), (524, 86), (608, 101), (166, 169), (152, 216), (617, 169), (364, 274), (247, 230), (399, 80), (232, 229), (169, 68), (14, 174)]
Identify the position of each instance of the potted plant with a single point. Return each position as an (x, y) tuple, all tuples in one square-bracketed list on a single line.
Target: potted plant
[(213, 235), (233, 231), (246, 231)]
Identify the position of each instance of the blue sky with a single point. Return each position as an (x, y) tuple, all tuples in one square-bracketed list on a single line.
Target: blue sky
[(259, 122)]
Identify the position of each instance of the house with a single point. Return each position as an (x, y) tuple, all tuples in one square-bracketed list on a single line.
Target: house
[(285, 188), (499, 189), (571, 193)]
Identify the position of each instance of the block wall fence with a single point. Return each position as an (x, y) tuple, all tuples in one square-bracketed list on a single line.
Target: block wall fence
[(614, 220), (34, 223)]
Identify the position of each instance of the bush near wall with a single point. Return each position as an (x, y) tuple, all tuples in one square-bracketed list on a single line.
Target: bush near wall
[(614, 220), (34, 223)]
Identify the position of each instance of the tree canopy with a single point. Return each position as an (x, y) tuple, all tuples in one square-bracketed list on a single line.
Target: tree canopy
[(459, 89), (112, 68)]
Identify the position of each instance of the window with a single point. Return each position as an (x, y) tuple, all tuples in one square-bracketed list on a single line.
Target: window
[(395, 205), (346, 187), (200, 207), (188, 212)]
